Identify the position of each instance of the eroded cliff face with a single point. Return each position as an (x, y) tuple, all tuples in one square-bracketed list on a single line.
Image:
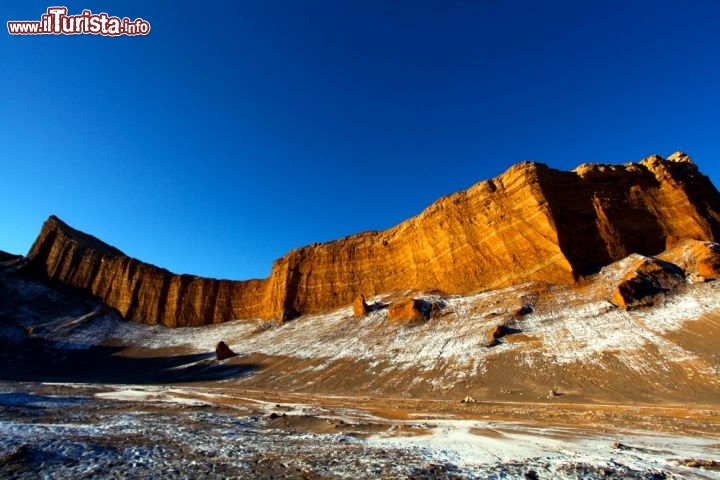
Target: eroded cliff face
[(140, 291), (530, 223)]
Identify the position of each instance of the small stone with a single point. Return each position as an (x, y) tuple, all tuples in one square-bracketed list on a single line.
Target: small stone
[(223, 352)]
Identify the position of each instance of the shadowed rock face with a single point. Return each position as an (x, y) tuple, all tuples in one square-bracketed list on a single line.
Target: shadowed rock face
[(531, 223), (648, 280)]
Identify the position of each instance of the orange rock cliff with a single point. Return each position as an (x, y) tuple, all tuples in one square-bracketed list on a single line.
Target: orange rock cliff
[(532, 223)]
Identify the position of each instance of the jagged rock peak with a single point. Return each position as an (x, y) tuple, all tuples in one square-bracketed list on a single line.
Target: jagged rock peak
[(680, 157), (532, 223), (652, 162)]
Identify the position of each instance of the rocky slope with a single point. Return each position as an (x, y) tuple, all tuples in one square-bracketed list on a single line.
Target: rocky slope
[(532, 223), (526, 343)]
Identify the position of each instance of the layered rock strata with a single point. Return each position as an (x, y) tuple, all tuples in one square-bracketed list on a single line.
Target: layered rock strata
[(532, 223)]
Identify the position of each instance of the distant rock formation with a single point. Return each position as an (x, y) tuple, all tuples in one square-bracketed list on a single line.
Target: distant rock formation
[(532, 223)]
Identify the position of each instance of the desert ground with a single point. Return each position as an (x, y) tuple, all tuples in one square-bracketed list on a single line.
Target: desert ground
[(114, 431), (577, 388)]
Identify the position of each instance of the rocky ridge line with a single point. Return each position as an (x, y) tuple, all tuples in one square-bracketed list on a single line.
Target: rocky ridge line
[(532, 223)]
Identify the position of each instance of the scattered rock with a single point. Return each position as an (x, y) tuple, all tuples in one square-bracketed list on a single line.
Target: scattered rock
[(413, 310), (223, 352), (522, 311), (619, 446), (607, 471), (697, 463), (648, 281), (497, 332), (468, 399), (531, 475), (553, 394), (360, 308), (406, 311)]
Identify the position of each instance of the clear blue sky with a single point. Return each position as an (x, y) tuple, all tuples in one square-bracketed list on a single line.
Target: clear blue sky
[(239, 130)]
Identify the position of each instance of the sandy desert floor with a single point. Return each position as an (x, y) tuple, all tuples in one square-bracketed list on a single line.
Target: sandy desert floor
[(116, 431)]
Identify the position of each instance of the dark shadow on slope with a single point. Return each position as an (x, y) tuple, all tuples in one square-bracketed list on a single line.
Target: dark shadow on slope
[(510, 330), (38, 359), (23, 399), (499, 332), (377, 306), (6, 257)]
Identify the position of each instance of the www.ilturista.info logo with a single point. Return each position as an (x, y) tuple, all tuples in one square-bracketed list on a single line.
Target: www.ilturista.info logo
[(56, 21)]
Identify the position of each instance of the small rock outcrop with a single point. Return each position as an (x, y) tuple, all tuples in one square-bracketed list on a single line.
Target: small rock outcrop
[(523, 311), (648, 281), (223, 352), (499, 331), (407, 311), (360, 307)]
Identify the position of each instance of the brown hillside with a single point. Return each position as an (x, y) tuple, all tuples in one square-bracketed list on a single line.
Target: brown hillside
[(532, 223)]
